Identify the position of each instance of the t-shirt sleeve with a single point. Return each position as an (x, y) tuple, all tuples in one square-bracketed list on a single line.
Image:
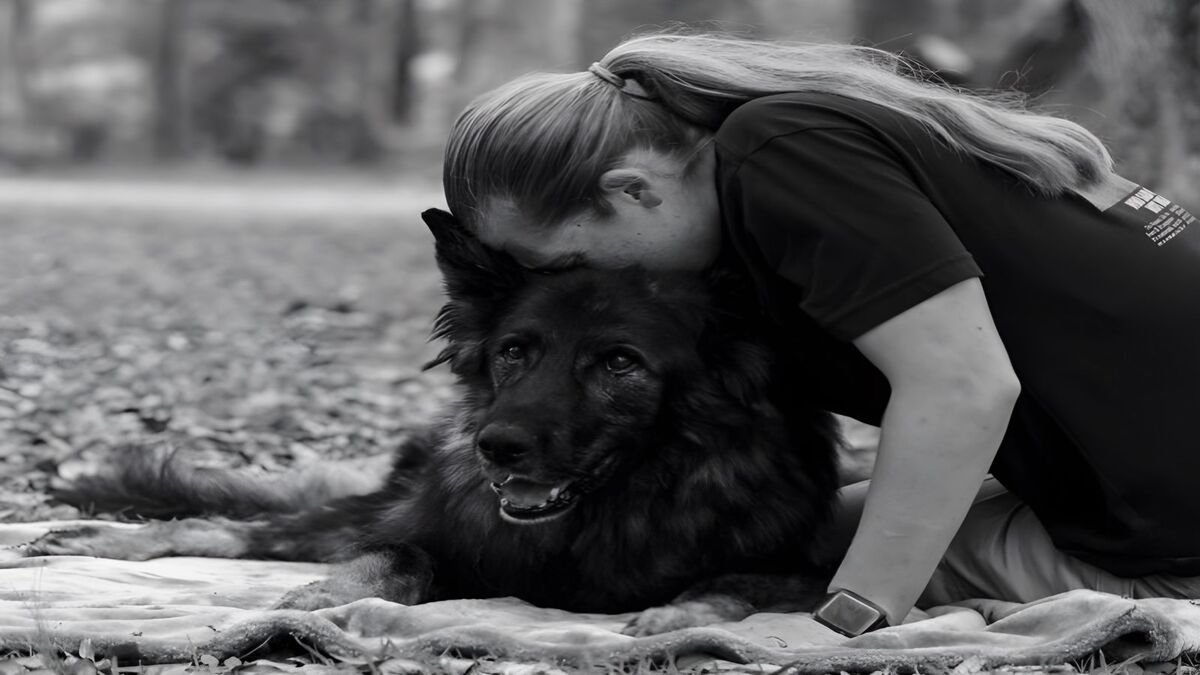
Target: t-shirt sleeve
[(835, 213)]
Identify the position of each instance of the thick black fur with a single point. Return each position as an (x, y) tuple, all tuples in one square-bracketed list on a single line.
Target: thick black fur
[(661, 399)]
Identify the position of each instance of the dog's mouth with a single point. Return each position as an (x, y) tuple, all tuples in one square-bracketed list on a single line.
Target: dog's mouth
[(525, 501)]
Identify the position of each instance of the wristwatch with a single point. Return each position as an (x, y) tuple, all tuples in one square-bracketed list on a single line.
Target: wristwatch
[(849, 613)]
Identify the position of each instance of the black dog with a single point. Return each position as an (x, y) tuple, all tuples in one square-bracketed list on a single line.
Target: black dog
[(622, 437)]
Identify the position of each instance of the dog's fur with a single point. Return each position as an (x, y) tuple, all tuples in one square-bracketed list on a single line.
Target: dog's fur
[(694, 455)]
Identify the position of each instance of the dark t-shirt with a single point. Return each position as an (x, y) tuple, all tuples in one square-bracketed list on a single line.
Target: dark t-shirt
[(846, 214)]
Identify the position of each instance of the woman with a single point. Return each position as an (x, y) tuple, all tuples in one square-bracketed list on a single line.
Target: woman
[(968, 275)]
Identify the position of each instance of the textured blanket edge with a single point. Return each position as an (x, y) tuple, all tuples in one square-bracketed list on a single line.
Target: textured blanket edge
[(1139, 632)]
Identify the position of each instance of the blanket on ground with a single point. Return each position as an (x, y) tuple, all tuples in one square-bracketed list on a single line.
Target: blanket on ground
[(171, 609)]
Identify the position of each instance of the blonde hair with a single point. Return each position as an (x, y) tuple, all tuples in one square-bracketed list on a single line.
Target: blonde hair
[(542, 141)]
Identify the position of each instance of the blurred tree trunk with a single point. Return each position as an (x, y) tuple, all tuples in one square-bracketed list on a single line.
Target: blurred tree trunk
[(501, 39), (170, 105), (15, 61), (384, 61), (406, 49), (374, 21)]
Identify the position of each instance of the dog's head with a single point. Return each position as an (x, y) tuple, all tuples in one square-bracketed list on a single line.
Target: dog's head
[(575, 375)]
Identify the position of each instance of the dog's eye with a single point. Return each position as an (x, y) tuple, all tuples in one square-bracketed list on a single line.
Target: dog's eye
[(513, 353), (620, 362)]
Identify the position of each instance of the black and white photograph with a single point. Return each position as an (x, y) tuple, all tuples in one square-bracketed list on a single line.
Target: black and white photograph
[(616, 337)]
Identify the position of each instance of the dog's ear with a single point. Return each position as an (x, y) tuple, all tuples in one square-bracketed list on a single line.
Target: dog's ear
[(478, 282), (470, 270)]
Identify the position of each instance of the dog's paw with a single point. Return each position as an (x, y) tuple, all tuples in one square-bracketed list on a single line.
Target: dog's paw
[(371, 575), (658, 620), (330, 592), (100, 542), (676, 616), (702, 610)]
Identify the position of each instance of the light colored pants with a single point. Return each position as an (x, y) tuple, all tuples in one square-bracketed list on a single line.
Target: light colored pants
[(1002, 552)]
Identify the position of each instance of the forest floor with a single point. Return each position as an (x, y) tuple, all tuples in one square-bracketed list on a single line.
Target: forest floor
[(249, 319)]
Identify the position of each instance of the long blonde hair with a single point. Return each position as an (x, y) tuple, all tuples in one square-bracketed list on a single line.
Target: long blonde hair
[(542, 141)]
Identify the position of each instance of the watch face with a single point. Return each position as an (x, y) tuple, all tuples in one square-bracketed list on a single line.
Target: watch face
[(849, 613)]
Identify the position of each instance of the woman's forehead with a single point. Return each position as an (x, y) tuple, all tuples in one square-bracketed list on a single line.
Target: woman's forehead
[(505, 227)]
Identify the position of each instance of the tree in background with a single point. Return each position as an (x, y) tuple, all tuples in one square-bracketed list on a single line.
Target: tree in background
[(14, 61), (269, 80), (316, 81), (282, 79), (168, 73), (406, 47), (22, 139)]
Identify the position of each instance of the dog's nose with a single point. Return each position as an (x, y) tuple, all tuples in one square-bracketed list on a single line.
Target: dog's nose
[(504, 443)]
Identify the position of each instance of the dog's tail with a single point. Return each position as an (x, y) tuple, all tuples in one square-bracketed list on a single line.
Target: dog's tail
[(158, 483)]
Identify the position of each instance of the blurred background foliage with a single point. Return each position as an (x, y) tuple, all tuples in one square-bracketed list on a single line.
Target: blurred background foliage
[(361, 82)]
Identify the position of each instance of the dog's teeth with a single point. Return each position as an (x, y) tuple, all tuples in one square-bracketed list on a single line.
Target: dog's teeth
[(554, 493), (503, 501)]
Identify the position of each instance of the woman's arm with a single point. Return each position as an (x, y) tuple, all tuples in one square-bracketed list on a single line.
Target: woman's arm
[(953, 390)]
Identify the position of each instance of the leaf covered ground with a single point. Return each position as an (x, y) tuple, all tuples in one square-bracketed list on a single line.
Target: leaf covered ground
[(245, 322)]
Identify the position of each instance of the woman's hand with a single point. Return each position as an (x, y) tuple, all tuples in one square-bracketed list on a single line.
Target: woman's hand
[(785, 631), (953, 390)]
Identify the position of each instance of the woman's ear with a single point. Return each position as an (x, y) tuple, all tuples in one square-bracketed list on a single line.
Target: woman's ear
[(631, 186)]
